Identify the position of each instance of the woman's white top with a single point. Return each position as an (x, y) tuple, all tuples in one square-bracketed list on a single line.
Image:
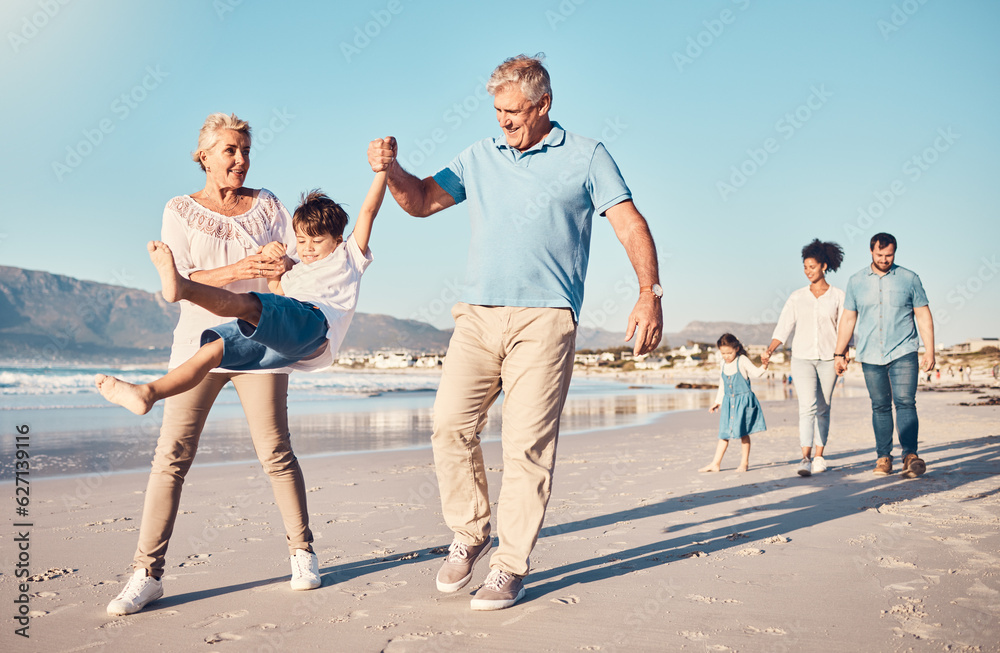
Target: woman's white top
[(815, 320), (746, 368), (201, 239)]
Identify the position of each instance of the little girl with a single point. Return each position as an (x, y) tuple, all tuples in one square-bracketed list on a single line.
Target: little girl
[(741, 412)]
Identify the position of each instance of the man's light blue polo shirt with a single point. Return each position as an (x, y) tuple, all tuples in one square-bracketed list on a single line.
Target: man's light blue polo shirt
[(885, 329), (531, 215)]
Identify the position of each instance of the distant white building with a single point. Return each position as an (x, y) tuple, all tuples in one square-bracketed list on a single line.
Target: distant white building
[(694, 350), (652, 364), (429, 361), (392, 360)]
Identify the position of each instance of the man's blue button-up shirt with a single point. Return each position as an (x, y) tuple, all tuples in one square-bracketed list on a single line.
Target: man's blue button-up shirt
[(885, 329)]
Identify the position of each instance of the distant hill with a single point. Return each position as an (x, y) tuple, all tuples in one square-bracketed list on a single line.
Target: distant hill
[(51, 317), (55, 318), (705, 332)]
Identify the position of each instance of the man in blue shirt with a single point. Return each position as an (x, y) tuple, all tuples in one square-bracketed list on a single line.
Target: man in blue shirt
[(531, 195), (884, 308)]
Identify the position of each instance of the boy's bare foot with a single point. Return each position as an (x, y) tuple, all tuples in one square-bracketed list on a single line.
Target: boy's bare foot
[(709, 468), (135, 398), (163, 259), (742, 468)]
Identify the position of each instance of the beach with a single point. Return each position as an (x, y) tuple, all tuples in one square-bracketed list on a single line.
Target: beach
[(638, 552)]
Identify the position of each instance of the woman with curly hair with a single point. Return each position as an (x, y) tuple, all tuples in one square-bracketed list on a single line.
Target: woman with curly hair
[(814, 313)]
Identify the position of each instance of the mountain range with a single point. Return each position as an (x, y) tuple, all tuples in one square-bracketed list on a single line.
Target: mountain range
[(54, 318)]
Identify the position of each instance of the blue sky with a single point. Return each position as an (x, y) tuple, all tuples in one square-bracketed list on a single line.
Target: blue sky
[(743, 128)]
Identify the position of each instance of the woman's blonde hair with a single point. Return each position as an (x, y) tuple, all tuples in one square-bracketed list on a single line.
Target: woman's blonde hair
[(209, 134)]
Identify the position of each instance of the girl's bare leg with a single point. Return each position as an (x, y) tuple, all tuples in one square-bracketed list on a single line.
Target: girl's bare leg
[(220, 301), (807, 452), (140, 398), (720, 450), (745, 450)]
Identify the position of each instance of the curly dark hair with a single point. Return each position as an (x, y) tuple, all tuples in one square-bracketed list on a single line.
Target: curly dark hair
[(830, 253)]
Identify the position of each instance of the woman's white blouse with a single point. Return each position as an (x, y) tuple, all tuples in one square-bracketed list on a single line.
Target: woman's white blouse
[(201, 239), (815, 320)]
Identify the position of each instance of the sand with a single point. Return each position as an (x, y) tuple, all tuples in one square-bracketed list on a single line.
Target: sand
[(639, 552)]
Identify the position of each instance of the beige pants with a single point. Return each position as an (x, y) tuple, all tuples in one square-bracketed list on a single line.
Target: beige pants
[(528, 353), (265, 402)]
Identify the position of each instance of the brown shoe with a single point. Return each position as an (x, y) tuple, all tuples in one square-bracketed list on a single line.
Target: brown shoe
[(913, 466), (884, 466), (456, 572)]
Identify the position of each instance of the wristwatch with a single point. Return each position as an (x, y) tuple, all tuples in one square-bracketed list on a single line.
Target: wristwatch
[(655, 289)]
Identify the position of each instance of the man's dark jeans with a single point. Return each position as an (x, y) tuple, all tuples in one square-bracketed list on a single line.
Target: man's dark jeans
[(894, 383)]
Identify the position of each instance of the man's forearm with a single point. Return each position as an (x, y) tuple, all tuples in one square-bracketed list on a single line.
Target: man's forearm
[(925, 325), (844, 332), (408, 191), (633, 232)]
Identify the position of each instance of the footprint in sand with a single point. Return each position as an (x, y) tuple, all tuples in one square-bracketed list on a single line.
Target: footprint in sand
[(750, 552), (567, 600), (693, 635), (50, 574), (344, 618), (204, 623), (222, 637)]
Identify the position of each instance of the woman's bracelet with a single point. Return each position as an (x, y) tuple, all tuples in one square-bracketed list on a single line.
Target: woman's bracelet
[(844, 356)]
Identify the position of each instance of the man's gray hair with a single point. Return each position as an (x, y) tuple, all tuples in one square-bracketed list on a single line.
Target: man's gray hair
[(527, 72)]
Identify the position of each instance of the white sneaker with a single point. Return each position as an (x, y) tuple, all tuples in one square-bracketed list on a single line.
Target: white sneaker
[(819, 465), (140, 590), (305, 571), (805, 468)]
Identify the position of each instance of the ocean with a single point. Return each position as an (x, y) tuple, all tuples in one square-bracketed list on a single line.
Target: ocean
[(74, 431)]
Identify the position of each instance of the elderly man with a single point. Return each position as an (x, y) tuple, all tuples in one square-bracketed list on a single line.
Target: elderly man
[(884, 308), (532, 196)]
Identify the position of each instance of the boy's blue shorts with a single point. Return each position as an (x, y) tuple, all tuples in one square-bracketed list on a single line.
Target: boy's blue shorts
[(289, 330)]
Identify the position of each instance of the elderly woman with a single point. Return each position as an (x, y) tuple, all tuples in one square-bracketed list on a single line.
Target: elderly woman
[(215, 235), (814, 312)]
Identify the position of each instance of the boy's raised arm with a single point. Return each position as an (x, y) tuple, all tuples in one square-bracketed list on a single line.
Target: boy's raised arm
[(366, 216)]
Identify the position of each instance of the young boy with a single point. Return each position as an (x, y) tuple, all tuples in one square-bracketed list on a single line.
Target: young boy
[(301, 325)]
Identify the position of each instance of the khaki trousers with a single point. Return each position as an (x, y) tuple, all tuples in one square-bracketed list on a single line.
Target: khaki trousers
[(528, 353), (265, 402)]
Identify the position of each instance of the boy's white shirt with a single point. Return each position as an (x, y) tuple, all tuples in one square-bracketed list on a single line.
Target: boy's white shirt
[(332, 285), (746, 368)]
